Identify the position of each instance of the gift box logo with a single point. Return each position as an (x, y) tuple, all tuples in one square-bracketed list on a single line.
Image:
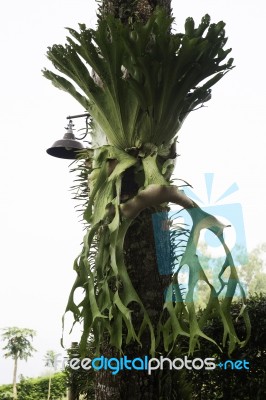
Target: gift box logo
[(210, 251)]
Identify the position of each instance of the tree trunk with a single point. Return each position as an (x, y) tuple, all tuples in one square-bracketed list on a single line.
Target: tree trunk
[(72, 395), (140, 259), (15, 395), (49, 386), (141, 262), (129, 11)]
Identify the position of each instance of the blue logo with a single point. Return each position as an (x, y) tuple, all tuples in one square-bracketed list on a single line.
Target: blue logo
[(174, 227), (230, 364)]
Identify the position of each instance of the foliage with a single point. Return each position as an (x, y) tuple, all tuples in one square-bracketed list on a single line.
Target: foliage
[(18, 342), (207, 385), (253, 272), (147, 81), (50, 359), (18, 347), (81, 381), (6, 392), (148, 77), (175, 385), (37, 388), (236, 384)]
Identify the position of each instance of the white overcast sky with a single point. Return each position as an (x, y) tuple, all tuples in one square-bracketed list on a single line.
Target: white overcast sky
[(40, 232)]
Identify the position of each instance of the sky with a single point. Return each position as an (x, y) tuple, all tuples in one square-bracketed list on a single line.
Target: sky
[(40, 229)]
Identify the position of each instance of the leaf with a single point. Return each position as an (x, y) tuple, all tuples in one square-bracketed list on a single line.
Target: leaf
[(148, 81), (146, 75)]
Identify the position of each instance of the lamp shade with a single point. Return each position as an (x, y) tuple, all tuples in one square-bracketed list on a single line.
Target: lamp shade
[(67, 147)]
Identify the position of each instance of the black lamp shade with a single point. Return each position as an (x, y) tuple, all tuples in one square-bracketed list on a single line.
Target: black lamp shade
[(67, 147)]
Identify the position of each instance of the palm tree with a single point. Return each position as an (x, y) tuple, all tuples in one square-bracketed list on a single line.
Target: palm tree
[(145, 82), (50, 360), (18, 347)]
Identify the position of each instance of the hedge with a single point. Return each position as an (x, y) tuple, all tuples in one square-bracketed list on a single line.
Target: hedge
[(37, 388)]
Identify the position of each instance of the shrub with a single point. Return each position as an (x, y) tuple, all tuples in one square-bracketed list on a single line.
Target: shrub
[(37, 388), (235, 384)]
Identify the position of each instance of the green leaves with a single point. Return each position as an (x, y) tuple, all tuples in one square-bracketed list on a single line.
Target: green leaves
[(202, 220), (18, 342), (108, 290), (102, 273), (148, 79), (139, 84)]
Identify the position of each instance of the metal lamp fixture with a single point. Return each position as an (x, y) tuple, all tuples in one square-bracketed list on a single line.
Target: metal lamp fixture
[(68, 146)]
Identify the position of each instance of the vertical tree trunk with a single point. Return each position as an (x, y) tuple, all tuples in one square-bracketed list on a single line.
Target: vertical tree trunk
[(140, 258), (131, 10), (15, 395), (71, 395), (73, 383), (49, 386)]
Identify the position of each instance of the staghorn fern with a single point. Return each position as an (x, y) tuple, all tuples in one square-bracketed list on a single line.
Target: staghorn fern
[(148, 81)]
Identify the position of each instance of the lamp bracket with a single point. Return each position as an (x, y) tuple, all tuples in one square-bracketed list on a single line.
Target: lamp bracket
[(87, 115)]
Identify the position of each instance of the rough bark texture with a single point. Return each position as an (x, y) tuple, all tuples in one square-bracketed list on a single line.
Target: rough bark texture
[(129, 11), (140, 258)]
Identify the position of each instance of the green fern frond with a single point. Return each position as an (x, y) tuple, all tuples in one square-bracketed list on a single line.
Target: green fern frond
[(147, 81)]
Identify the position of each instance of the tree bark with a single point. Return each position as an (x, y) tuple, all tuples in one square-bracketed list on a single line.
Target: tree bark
[(73, 387), (140, 259), (49, 386), (15, 394), (150, 284), (129, 11)]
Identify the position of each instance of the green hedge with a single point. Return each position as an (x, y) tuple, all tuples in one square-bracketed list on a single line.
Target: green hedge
[(235, 384), (6, 392), (37, 388)]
